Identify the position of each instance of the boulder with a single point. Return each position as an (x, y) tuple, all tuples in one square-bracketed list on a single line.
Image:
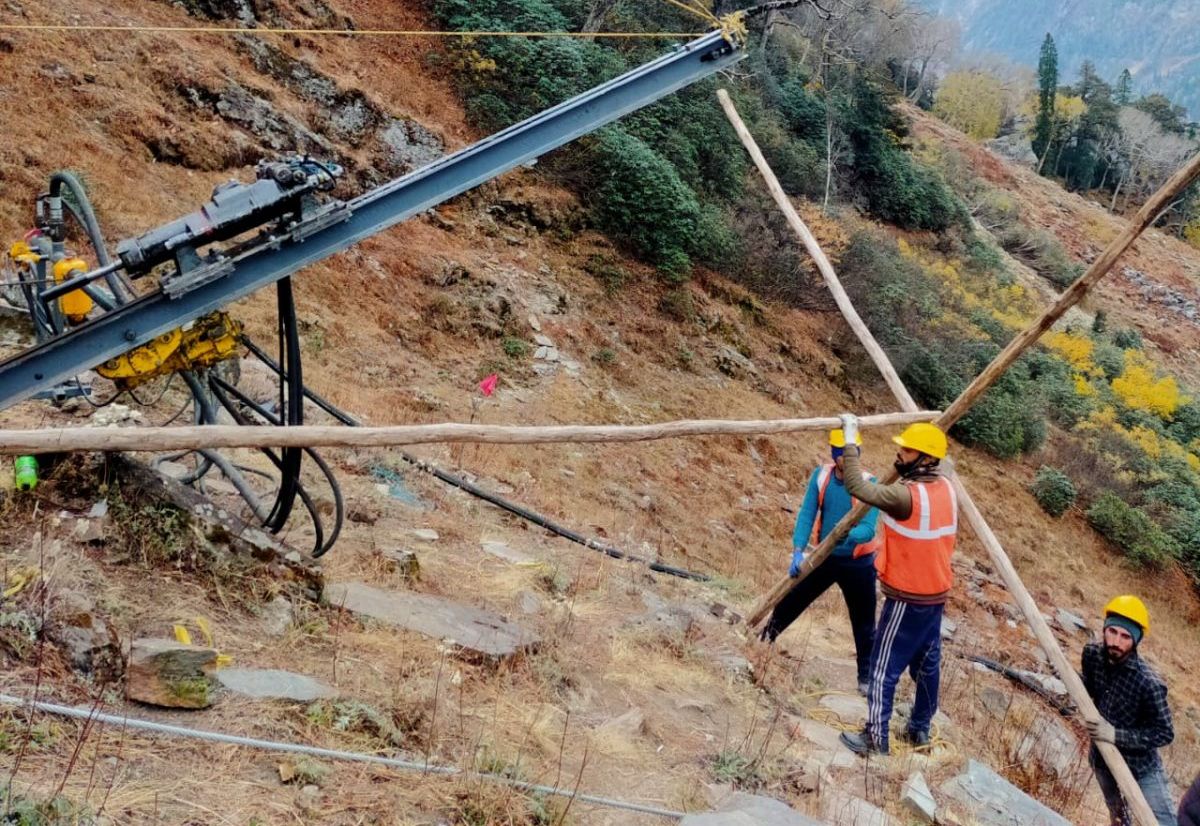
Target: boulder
[(170, 674), (990, 800), (89, 641)]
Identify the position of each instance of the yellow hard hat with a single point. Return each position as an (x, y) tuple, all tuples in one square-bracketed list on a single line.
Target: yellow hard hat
[(924, 438), (838, 439), (1131, 608)]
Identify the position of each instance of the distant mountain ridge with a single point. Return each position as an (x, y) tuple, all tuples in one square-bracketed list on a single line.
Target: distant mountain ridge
[(1157, 40)]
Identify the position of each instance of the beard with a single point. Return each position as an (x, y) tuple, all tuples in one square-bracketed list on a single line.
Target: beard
[(905, 468), (1115, 655)]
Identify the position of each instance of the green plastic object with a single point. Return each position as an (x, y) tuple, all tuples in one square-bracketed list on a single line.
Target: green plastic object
[(26, 468)]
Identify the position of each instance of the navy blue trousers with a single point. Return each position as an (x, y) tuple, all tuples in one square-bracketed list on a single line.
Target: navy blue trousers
[(856, 579), (908, 637)]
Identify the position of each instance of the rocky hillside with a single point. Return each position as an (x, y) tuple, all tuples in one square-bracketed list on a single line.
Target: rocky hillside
[(593, 675)]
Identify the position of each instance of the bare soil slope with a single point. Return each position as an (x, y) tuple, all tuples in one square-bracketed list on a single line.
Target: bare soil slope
[(636, 690)]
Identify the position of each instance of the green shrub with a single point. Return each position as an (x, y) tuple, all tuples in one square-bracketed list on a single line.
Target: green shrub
[(1053, 491), (1109, 358), (895, 187), (1005, 422), (717, 244), (803, 112), (515, 348), (1128, 339), (677, 304), (610, 274), (639, 198), (1185, 426), (1131, 530), (983, 256), (505, 79)]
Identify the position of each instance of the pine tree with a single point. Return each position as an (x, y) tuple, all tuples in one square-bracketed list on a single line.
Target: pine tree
[(1124, 92), (1047, 87)]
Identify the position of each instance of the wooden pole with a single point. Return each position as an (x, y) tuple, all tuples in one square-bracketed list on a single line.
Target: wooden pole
[(21, 442), (1120, 770)]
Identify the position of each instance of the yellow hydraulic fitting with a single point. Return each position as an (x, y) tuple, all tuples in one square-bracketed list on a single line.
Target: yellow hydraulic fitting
[(22, 252), (76, 304)]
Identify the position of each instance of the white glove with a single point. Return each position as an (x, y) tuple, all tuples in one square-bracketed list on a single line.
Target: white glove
[(849, 428), (1102, 731)]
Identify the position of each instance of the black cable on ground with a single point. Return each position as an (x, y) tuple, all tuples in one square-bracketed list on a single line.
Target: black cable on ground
[(1066, 710), (484, 494)]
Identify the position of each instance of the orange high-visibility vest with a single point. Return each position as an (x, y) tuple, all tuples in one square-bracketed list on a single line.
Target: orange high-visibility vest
[(916, 551), (823, 477)]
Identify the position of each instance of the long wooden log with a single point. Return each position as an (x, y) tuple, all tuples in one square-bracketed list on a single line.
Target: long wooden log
[(974, 517), (49, 440)]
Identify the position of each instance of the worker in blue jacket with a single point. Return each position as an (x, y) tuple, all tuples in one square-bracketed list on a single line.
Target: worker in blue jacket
[(851, 565)]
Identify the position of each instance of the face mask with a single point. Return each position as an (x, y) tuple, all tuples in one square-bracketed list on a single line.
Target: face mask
[(836, 452)]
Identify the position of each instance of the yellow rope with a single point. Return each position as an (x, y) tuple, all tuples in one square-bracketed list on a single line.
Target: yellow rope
[(53, 27), (937, 743), (695, 9)]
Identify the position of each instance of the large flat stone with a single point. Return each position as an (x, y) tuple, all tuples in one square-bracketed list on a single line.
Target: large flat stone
[(845, 810), (273, 684), (501, 550), (990, 800), (472, 628), (851, 709), (821, 745), (741, 809)]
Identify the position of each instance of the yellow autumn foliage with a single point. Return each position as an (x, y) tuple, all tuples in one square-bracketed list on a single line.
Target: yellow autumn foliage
[(1076, 350), (972, 102), (1141, 388)]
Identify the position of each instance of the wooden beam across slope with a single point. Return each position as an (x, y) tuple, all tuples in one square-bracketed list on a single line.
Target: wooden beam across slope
[(1098, 269), (192, 437)]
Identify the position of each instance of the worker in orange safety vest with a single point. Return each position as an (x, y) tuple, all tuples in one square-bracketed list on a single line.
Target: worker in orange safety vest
[(919, 526)]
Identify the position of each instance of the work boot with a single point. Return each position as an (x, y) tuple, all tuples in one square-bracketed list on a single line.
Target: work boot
[(860, 743), (916, 739)]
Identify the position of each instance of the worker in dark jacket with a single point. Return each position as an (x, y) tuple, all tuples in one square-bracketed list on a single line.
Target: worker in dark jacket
[(851, 565), (919, 522), (1189, 807), (1135, 717)]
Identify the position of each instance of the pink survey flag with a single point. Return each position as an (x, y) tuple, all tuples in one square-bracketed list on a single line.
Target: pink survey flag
[(488, 386)]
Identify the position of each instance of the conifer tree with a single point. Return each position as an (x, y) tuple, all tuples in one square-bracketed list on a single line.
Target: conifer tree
[(1047, 86), (1124, 91)]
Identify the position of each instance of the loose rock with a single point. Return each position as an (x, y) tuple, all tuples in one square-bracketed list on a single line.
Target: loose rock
[(917, 799), (169, 674)]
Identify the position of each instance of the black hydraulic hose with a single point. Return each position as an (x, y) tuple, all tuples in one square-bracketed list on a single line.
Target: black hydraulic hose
[(291, 404), (484, 494), (80, 207), (320, 544)]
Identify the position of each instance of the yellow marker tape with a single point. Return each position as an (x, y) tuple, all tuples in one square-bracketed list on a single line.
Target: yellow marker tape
[(182, 636), (18, 579)]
